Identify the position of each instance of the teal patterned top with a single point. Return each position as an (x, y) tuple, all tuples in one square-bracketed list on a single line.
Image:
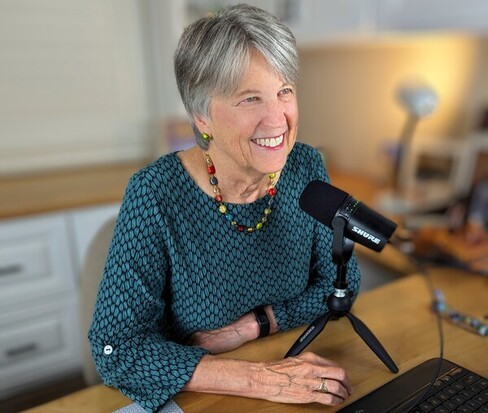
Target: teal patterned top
[(176, 266)]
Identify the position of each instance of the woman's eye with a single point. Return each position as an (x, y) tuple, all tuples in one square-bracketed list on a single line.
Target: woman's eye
[(287, 91), (249, 100)]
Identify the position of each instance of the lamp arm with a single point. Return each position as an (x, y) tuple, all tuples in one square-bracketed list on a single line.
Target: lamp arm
[(404, 146)]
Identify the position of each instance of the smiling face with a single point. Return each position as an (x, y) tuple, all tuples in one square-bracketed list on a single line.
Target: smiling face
[(253, 129)]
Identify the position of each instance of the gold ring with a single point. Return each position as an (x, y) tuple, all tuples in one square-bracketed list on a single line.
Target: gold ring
[(323, 388)]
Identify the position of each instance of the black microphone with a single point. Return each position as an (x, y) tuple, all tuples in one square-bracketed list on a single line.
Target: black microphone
[(324, 202)]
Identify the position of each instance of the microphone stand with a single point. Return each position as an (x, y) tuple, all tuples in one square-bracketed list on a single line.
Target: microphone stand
[(339, 303)]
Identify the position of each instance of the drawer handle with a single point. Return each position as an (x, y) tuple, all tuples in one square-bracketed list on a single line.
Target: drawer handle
[(10, 270), (22, 350)]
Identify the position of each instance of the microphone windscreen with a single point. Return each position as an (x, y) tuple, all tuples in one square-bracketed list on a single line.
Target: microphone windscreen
[(322, 201)]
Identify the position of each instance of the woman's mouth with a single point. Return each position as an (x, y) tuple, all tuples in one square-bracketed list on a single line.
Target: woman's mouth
[(269, 142)]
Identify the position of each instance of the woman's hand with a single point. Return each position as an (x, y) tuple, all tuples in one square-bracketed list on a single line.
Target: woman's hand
[(303, 379)]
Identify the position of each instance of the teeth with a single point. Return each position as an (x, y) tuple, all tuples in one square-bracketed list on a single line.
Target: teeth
[(270, 142)]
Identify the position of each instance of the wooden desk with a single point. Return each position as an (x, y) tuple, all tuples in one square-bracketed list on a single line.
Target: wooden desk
[(399, 315), (49, 191)]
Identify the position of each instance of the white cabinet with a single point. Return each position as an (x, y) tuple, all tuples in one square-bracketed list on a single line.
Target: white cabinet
[(34, 259), (317, 21), (444, 15), (40, 259), (323, 20), (311, 21), (38, 342), (38, 302)]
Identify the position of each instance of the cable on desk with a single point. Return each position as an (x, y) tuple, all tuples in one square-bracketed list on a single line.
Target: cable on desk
[(430, 286)]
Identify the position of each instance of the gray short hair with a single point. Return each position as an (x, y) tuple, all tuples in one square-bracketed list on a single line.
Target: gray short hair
[(214, 52)]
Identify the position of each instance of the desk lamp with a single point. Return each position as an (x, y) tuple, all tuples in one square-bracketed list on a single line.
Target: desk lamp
[(419, 101)]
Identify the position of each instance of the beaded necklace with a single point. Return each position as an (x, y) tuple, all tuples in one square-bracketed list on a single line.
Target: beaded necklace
[(223, 208)]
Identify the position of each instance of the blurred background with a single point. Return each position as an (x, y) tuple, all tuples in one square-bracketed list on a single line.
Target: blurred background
[(87, 97)]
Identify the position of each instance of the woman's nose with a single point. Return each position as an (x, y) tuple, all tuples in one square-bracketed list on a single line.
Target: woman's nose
[(274, 114)]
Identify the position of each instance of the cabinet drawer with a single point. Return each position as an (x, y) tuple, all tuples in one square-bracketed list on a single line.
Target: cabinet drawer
[(24, 260), (38, 344), (34, 258), (30, 340)]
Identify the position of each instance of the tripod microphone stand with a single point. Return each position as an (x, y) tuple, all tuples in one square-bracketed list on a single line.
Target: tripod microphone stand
[(339, 303)]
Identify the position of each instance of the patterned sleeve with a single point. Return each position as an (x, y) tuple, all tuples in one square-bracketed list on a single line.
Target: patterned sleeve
[(311, 303), (128, 348)]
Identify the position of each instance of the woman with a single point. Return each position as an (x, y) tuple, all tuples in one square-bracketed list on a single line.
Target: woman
[(211, 249)]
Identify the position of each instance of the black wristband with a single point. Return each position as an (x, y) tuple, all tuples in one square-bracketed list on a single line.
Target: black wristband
[(263, 321)]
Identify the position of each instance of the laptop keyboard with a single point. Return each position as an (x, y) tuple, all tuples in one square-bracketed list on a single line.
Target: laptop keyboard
[(456, 389)]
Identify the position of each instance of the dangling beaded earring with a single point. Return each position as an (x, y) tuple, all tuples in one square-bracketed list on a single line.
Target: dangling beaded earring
[(206, 137)]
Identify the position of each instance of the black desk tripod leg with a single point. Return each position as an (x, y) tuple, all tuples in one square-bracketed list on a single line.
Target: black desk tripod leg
[(372, 342), (312, 331)]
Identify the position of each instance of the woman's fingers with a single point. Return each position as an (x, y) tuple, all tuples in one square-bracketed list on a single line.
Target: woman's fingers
[(328, 369), (331, 386), (328, 399), (337, 376), (307, 378)]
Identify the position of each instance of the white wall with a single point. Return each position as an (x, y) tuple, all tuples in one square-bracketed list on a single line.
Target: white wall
[(347, 93)]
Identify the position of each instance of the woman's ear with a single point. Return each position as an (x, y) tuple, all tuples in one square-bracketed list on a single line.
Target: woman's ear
[(202, 124)]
